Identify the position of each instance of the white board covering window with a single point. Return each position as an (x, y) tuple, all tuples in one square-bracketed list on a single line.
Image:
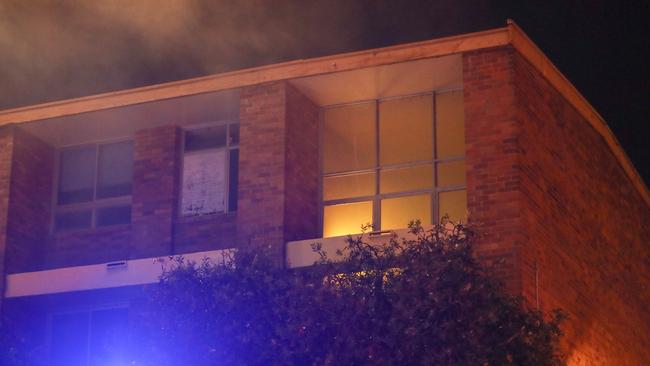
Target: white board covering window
[(209, 170)]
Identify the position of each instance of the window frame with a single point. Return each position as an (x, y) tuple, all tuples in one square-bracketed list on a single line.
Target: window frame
[(227, 148), (433, 192), (88, 310), (95, 203)]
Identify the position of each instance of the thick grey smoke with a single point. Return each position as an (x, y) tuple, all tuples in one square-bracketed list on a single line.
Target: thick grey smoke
[(53, 50)]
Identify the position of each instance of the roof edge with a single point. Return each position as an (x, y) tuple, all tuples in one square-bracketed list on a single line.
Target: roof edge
[(512, 34), (268, 73), (529, 50)]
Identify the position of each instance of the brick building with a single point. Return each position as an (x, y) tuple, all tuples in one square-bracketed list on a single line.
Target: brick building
[(481, 127)]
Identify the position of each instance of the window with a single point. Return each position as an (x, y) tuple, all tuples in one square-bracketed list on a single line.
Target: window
[(94, 186), (210, 170), (386, 162), (89, 338)]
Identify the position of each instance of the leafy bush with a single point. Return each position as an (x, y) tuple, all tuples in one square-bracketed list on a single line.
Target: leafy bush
[(422, 300)]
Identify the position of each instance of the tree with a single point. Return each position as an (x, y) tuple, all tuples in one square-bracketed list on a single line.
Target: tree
[(422, 300)]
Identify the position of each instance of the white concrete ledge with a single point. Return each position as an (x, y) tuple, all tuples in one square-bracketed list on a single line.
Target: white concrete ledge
[(97, 276), (300, 253)]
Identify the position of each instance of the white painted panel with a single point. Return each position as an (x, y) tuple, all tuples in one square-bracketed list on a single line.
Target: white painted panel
[(203, 182), (301, 254), (97, 276), (385, 81)]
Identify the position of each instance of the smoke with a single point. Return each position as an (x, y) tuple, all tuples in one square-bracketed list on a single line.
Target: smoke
[(53, 50)]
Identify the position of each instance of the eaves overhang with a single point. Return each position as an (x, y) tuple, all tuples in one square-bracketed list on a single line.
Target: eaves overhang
[(511, 35)]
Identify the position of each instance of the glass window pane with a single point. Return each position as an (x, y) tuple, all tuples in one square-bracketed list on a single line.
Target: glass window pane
[(234, 134), (406, 130), (72, 220), (205, 138), (348, 186), (454, 205), (406, 179), (115, 171), (76, 175), (450, 124), (233, 179), (204, 182), (69, 339), (346, 218), (451, 173), (396, 213), (349, 138), (113, 215), (108, 336)]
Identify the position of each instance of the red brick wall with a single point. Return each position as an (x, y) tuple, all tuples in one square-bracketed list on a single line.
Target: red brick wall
[(156, 164), (551, 198), (6, 155), (589, 229), (270, 143), (203, 233), (301, 174), (261, 166), (89, 246), (494, 196), (30, 202), (155, 229), (154, 202)]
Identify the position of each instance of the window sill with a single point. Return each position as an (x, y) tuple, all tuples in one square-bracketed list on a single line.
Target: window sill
[(206, 217), (91, 231)]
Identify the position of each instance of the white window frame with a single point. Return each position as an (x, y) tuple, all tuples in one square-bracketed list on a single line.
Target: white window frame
[(375, 199), (228, 148), (95, 203)]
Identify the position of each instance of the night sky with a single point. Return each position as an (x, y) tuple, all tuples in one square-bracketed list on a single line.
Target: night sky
[(52, 50)]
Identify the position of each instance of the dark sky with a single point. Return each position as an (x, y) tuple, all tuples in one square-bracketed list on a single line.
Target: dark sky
[(52, 50)]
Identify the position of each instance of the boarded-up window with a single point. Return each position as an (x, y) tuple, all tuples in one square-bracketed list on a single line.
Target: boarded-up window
[(210, 170), (203, 182)]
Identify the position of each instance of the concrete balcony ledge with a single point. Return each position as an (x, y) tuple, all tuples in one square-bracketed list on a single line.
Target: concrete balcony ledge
[(98, 276), (300, 253)]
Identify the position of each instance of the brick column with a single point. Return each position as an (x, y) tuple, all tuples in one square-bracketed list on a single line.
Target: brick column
[(302, 169), (6, 155), (30, 202), (494, 196), (26, 165), (156, 163), (278, 167)]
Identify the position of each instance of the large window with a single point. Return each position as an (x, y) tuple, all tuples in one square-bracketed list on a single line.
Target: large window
[(89, 338), (386, 162), (94, 186), (210, 170)]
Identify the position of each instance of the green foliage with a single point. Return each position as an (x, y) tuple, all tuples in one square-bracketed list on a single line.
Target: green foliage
[(422, 300)]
